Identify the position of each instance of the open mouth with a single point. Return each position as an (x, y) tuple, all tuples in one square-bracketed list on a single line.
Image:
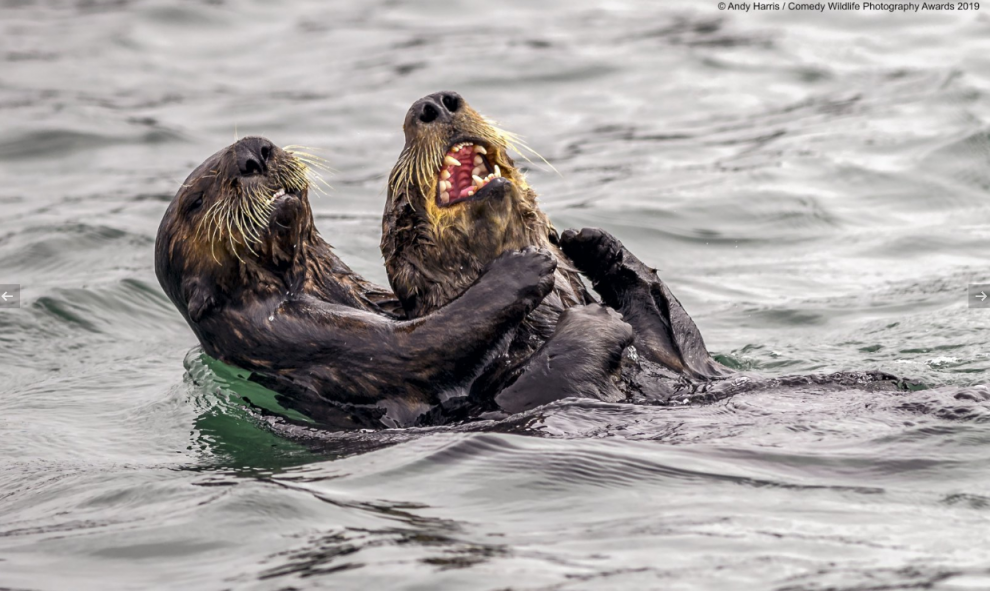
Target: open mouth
[(282, 195), (464, 173), (275, 205)]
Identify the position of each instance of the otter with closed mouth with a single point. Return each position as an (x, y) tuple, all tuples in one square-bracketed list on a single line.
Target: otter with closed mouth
[(238, 254), (456, 201)]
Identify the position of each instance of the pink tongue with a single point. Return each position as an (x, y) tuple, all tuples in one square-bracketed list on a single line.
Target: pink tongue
[(462, 173)]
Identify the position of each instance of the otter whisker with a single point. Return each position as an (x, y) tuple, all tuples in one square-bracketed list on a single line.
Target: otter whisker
[(294, 173), (308, 168), (298, 173), (214, 217), (248, 231), (312, 160), (257, 200), (257, 220), (301, 174), (297, 149), (230, 234), (318, 182), (248, 225), (514, 142), (303, 154)]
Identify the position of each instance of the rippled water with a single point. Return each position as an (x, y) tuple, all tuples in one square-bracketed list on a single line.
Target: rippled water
[(814, 187)]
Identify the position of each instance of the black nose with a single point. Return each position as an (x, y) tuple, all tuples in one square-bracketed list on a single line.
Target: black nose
[(253, 154), (437, 107)]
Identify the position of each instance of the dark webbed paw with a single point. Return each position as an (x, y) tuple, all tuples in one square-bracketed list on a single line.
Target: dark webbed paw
[(595, 252), (665, 333), (605, 261), (529, 272)]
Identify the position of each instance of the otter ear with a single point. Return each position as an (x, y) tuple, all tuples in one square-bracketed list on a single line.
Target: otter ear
[(200, 299)]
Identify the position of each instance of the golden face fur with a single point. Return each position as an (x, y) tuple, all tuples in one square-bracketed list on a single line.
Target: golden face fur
[(433, 147), (228, 222), (238, 212), (456, 202)]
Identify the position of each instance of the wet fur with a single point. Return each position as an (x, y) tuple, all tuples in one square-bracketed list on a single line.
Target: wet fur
[(277, 301), (430, 257), (432, 254)]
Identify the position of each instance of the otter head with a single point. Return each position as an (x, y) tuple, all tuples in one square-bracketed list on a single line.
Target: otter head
[(456, 201), (239, 222)]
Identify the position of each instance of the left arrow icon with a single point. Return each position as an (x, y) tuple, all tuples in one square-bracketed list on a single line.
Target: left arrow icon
[(6, 296)]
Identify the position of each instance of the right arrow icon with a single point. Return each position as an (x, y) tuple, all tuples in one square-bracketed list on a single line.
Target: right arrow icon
[(982, 296)]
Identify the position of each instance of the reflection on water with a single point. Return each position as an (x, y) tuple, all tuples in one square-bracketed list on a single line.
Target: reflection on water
[(813, 187)]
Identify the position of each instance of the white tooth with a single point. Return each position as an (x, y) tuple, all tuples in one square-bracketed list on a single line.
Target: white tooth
[(477, 160), (497, 171), (476, 170), (449, 161), (480, 150), (477, 180), (444, 198), (447, 185), (444, 175)]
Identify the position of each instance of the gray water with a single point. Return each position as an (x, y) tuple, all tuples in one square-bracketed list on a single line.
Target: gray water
[(814, 188)]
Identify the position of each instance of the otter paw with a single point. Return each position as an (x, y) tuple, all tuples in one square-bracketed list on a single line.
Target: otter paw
[(594, 251), (530, 271)]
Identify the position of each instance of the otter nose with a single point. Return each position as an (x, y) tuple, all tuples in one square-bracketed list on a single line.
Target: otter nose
[(252, 155), (437, 107)]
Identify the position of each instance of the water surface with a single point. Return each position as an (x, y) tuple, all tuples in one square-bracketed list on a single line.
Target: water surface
[(814, 188)]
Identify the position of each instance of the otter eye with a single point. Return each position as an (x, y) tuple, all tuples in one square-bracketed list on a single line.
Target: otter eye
[(451, 102), (196, 203)]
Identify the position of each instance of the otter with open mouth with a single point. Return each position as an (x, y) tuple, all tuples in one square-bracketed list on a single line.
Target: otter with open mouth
[(456, 201), (238, 254)]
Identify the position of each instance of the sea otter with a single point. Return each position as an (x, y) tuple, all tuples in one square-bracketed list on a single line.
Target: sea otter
[(238, 254), (456, 201)]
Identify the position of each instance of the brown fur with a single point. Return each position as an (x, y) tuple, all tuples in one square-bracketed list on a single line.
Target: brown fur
[(433, 253), (263, 291)]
